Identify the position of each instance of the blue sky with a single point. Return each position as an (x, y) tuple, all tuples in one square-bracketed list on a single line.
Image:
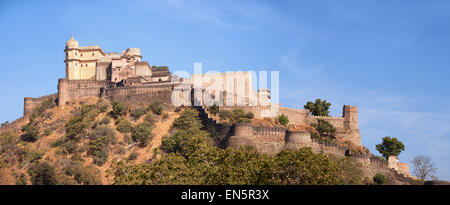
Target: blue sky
[(390, 58)]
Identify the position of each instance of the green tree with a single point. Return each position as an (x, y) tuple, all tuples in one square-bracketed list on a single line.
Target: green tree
[(188, 119), (118, 109), (379, 179), (142, 134), (157, 107), (390, 147), (283, 119), (324, 128), (214, 109), (30, 133), (318, 108), (43, 174), (124, 125)]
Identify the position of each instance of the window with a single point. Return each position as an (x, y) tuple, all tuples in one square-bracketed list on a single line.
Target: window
[(86, 65), (75, 64), (92, 54), (81, 65), (81, 54), (76, 53)]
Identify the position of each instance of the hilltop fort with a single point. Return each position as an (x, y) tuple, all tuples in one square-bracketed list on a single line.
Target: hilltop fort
[(125, 77)]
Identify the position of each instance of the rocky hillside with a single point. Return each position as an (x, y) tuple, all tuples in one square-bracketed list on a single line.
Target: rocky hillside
[(80, 141)]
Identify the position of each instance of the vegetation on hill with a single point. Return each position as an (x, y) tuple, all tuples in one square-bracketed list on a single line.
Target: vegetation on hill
[(190, 158), (235, 116), (97, 142)]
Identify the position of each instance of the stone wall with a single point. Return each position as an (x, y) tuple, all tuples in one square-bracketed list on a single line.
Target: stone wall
[(271, 140), (77, 89), (15, 125), (28, 106), (142, 95)]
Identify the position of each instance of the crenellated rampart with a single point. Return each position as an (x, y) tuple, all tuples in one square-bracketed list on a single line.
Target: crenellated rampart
[(271, 140)]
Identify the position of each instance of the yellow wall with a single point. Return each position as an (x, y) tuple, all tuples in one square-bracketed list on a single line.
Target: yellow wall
[(81, 63)]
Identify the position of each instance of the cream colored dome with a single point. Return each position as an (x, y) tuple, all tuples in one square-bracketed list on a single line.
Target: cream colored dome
[(71, 43)]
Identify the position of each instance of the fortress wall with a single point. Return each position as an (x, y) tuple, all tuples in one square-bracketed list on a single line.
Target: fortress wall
[(295, 116), (15, 125), (258, 111), (30, 103), (142, 95), (77, 89), (337, 122), (270, 140), (267, 140)]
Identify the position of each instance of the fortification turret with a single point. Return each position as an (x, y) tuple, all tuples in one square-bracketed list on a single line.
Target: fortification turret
[(72, 59), (297, 139), (27, 107), (243, 136), (350, 114)]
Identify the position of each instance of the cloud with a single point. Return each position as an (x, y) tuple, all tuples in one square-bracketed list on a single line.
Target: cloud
[(224, 14)]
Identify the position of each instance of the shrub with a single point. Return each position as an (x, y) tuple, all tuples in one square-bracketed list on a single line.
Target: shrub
[(225, 115), (98, 147), (76, 127), (47, 132), (142, 134), (157, 107), (324, 128), (68, 146), (118, 109), (214, 109), (21, 179), (283, 119), (104, 131), (150, 118), (239, 115), (105, 121), (165, 116), (30, 133), (124, 126), (250, 115), (379, 179), (100, 157), (133, 156), (136, 113), (87, 175), (43, 174)]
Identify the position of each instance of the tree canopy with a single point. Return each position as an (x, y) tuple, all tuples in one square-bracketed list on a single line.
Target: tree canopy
[(390, 147), (318, 108)]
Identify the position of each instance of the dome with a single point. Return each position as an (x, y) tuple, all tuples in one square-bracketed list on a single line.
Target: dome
[(71, 43)]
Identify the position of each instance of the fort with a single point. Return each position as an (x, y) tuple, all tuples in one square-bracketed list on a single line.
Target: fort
[(91, 72)]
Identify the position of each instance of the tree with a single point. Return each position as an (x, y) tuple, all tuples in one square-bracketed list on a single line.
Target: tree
[(157, 107), (214, 109), (318, 108), (118, 109), (379, 179), (30, 133), (390, 147), (423, 167), (142, 134), (283, 119), (43, 174), (324, 128)]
